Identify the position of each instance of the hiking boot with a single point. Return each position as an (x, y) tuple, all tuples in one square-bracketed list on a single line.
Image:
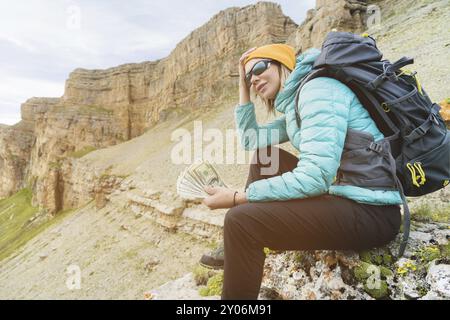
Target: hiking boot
[(213, 259)]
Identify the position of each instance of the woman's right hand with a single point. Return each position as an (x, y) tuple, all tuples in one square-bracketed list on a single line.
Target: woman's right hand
[(244, 89)]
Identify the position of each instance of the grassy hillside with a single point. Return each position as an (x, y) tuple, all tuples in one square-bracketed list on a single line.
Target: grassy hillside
[(18, 222)]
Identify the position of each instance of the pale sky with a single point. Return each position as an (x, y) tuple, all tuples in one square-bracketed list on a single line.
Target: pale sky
[(42, 41)]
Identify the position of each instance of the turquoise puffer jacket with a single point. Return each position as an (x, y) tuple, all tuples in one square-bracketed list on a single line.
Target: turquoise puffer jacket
[(327, 108)]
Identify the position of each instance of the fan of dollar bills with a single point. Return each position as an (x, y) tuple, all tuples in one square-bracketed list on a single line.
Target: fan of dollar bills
[(194, 178)]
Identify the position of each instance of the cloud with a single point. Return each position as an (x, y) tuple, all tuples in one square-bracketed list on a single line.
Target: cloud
[(9, 118), (14, 88), (14, 91)]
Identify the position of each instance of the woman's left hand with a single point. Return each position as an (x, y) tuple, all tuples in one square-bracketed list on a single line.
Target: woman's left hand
[(220, 197)]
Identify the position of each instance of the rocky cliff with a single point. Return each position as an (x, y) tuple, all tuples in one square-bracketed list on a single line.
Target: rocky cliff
[(342, 15), (100, 108), (15, 147), (89, 146)]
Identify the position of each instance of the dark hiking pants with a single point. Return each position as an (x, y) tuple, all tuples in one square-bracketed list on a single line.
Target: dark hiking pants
[(322, 222)]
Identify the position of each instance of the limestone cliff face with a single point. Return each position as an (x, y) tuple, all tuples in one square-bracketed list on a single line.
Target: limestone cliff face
[(104, 107), (15, 147), (60, 131), (200, 72)]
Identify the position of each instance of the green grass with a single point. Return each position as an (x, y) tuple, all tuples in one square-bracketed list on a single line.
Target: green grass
[(82, 152), (54, 165), (15, 228), (426, 214), (213, 287)]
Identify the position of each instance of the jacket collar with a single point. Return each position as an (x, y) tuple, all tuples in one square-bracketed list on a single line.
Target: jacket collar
[(304, 62)]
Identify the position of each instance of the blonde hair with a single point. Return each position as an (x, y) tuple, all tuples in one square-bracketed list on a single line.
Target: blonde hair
[(284, 73)]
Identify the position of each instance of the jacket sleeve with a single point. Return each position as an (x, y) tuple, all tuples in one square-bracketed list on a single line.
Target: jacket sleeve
[(254, 136), (324, 109)]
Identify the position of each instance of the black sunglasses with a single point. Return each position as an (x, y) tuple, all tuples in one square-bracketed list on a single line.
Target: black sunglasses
[(257, 69)]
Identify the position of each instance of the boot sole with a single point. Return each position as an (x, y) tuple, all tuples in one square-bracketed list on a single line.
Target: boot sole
[(211, 267)]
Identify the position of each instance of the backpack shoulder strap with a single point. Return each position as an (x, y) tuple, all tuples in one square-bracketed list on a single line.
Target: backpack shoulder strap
[(367, 99), (315, 73)]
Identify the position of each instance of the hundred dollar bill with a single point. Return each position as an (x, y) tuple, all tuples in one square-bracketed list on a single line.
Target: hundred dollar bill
[(192, 181), (206, 174)]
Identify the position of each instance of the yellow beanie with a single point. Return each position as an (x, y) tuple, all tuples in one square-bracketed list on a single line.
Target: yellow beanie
[(279, 52)]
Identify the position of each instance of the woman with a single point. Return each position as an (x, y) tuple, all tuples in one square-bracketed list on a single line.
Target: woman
[(301, 206)]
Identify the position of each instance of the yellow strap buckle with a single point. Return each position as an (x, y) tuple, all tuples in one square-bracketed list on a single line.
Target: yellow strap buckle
[(418, 166), (414, 75), (421, 173), (419, 86)]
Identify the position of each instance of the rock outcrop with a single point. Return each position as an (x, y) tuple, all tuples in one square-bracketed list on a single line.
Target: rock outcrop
[(62, 133), (376, 274), (342, 15), (15, 147)]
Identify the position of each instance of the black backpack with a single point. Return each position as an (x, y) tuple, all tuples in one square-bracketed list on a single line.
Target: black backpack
[(415, 132)]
